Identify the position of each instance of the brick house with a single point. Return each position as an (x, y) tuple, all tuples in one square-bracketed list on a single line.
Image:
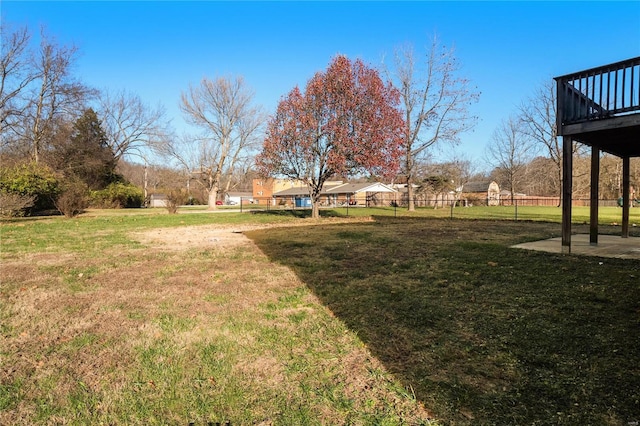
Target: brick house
[(263, 189)]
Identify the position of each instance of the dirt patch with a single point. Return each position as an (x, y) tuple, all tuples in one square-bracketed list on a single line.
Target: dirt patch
[(183, 238), (216, 236)]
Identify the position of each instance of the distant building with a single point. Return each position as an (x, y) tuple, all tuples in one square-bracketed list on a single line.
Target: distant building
[(363, 194), (158, 200), (481, 193), (235, 198), (296, 193), (263, 189)]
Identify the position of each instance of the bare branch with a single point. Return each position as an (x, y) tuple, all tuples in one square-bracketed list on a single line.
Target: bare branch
[(51, 97), (15, 73), (229, 126), (510, 150), (436, 102), (129, 123)]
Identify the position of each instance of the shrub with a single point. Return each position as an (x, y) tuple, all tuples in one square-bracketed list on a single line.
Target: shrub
[(175, 198), (118, 195), (12, 204), (73, 199), (31, 180), (475, 200), (193, 201)]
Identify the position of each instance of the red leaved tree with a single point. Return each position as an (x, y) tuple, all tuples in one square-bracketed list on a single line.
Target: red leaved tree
[(346, 123)]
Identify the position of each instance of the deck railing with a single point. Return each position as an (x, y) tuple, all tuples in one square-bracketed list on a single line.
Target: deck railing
[(598, 93)]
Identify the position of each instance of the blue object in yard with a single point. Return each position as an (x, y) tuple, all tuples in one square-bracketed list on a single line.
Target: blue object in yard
[(303, 202), (633, 202)]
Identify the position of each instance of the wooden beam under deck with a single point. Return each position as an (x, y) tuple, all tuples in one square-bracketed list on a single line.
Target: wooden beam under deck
[(610, 124), (626, 196), (595, 177), (567, 183)]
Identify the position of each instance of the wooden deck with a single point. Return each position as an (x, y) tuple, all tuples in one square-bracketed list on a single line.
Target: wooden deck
[(599, 107)]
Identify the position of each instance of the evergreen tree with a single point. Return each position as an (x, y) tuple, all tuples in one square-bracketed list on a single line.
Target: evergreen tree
[(86, 155)]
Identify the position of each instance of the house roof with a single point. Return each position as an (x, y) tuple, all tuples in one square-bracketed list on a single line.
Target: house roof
[(345, 188), (352, 188), (477, 186), (289, 192)]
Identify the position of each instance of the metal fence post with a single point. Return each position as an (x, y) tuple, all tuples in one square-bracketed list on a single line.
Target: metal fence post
[(348, 199)]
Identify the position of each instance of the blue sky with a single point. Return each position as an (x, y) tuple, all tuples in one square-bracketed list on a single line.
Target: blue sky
[(157, 48)]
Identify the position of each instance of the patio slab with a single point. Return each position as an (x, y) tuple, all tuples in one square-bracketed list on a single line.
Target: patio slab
[(608, 246)]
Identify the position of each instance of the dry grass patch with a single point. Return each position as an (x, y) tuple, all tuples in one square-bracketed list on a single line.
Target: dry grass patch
[(192, 324)]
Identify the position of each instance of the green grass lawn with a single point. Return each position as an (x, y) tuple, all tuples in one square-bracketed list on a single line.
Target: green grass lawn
[(484, 334), (97, 229), (414, 319), (580, 215)]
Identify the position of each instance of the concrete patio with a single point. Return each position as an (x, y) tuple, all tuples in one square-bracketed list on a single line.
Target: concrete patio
[(608, 246)]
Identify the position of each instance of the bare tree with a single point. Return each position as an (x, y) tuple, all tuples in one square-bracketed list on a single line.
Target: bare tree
[(538, 114), (540, 177), (130, 125), (249, 132), (55, 96), (436, 102), (610, 177), (461, 170), (16, 73), (230, 124), (510, 150), (242, 177), (449, 177)]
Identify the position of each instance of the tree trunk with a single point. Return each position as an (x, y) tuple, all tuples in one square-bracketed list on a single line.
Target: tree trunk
[(412, 204), (409, 172), (314, 194), (213, 195), (315, 209)]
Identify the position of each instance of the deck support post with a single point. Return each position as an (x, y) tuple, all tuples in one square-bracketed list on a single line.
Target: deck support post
[(626, 195), (595, 179), (567, 183), (593, 111)]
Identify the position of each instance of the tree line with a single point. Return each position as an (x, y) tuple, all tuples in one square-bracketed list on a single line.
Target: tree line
[(66, 145), (61, 140)]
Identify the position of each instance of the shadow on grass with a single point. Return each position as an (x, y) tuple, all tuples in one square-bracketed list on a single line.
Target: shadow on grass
[(484, 334)]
